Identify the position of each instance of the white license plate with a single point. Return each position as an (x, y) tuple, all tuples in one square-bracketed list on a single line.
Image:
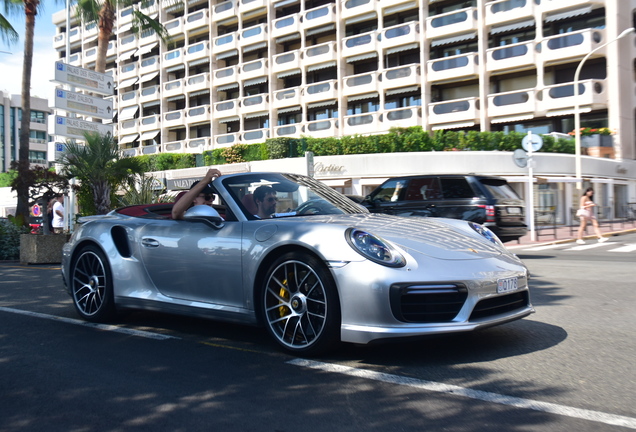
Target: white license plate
[(507, 285), (514, 210)]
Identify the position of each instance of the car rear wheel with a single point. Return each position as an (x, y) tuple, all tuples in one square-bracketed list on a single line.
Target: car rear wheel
[(300, 305), (92, 285)]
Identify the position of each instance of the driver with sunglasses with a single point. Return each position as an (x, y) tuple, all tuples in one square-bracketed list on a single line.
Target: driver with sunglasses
[(200, 193)]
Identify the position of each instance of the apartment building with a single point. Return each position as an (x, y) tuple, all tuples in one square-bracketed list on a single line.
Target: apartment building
[(10, 118)]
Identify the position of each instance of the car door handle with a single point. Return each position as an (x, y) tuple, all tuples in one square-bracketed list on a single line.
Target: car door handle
[(149, 242)]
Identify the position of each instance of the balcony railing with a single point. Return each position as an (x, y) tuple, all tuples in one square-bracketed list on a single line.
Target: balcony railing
[(286, 25), (286, 61), (400, 35), (362, 83), (403, 117), (227, 108), (254, 69), (199, 114), (255, 136), (464, 110), (254, 34), (318, 16), (402, 76), (198, 145), (352, 8), (512, 56), (362, 123), (173, 118), (224, 43), (197, 19), (198, 51), (512, 103), (459, 21), (452, 67), (225, 10), (576, 44), (323, 128), (227, 140), (504, 11), (172, 58), (175, 26), (288, 130), (287, 97), (592, 95), (321, 91), (173, 88), (360, 44), (198, 82), (320, 53), (255, 103)]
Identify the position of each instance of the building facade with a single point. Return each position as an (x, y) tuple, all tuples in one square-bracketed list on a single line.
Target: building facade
[(10, 118)]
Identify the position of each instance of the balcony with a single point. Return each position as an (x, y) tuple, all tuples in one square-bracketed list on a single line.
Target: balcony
[(199, 114), (173, 58), (548, 6), (288, 130), (147, 37), (459, 21), (112, 50), (174, 118), (148, 123), (125, 16), (565, 47), (402, 34), (226, 75), (286, 61), (321, 91), (148, 94), (173, 88), (246, 6), (360, 44), (175, 26), (323, 128), (197, 145), (559, 99), (362, 83), (322, 15), (514, 56), (287, 97), (253, 69), (224, 43), (224, 10), (454, 113), (127, 71), (90, 54), (228, 108), (226, 140), (198, 82), (257, 103), (59, 41), (353, 8), (198, 19), (128, 99), (505, 11), (198, 51), (128, 127), (512, 103), (403, 117), (255, 136), (253, 35), (149, 65), (75, 35), (320, 53), (75, 59), (127, 44), (453, 67), (173, 147), (402, 76), (286, 25), (362, 124)]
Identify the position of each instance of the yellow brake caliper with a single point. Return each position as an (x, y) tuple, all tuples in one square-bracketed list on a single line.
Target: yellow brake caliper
[(283, 293)]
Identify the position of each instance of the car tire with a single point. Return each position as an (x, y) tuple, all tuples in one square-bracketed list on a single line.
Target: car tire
[(299, 304), (91, 285)]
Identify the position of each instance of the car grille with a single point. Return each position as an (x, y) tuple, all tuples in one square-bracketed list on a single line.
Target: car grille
[(500, 305), (424, 303)]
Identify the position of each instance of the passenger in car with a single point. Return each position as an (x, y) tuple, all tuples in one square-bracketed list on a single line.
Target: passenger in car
[(265, 199), (200, 193)]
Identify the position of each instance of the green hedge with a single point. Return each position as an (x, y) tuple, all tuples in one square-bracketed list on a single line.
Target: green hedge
[(10, 239), (413, 139)]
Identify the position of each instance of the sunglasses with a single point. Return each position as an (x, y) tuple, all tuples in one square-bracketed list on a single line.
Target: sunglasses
[(207, 197), (272, 199)]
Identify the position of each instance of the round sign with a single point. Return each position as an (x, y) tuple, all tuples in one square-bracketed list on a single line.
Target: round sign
[(536, 141), (521, 158), (36, 210)]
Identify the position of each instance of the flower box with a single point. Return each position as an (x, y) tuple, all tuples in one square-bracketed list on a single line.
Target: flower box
[(597, 140), (42, 249)]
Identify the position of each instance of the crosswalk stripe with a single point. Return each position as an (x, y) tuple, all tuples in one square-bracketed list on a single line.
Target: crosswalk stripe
[(626, 248), (540, 248), (566, 246), (588, 246)]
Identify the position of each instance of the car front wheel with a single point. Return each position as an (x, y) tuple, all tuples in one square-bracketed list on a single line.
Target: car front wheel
[(300, 304), (92, 285)]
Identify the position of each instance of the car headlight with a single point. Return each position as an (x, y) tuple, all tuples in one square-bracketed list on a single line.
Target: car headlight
[(485, 233), (374, 248)]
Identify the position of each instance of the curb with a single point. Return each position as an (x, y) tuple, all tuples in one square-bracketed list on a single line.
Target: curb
[(571, 240)]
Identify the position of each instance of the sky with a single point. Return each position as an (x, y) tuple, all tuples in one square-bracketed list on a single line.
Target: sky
[(44, 55)]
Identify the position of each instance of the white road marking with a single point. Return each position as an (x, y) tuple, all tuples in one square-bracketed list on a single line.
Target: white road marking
[(588, 246), (626, 248), (597, 416), (131, 332), (539, 248)]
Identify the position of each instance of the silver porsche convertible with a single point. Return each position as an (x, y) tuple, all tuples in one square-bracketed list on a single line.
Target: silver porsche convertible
[(320, 271)]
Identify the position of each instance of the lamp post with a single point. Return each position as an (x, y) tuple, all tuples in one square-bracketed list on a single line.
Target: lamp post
[(577, 114)]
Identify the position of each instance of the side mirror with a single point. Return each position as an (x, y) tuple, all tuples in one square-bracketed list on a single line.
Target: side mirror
[(204, 213)]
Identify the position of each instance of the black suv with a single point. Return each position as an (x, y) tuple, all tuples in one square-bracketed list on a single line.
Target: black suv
[(487, 200)]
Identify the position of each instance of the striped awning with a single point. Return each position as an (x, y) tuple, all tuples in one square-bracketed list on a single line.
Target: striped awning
[(364, 56), (227, 54), (147, 48), (289, 73), (453, 39), (568, 14), (288, 38), (254, 47), (357, 97), (227, 87), (257, 115), (199, 62), (401, 48), (229, 119), (511, 27), (297, 108), (321, 66), (254, 81), (400, 90), (322, 29), (322, 103)]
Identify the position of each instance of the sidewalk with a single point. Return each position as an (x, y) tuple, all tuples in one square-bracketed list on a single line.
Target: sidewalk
[(566, 234)]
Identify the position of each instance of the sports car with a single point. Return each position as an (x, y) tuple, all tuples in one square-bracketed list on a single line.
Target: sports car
[(322, 270)]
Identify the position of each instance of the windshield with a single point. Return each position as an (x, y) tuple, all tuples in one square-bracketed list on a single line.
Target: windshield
[(286, 195), (500, 189)]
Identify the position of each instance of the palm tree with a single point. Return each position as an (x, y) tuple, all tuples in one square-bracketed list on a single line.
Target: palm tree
[(103, 12), (100, 165), (7, 33)]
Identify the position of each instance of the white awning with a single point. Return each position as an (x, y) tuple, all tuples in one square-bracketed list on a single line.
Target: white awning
[(513, 26), (401, 48), (229, 119), (254, 81), (175, 68), (365, 56), (254, 47), (322, 29), (362, 96), (227, 54), (149, 135), (175, 98), (453, 125), (567, 111), (148, 77), (199, 93), (361, 18), (321, 66), (568, 14), (147, 48), (227, 87), (288, 38), (400, 90), (297, 108), (256, 115), (285, 3), (128, 113), (322, 103), (126, 55), (199, 62), (453, 39), (128, 138), (289, 73), (508, 119), (127, 83), (399, 8), (151, 104)]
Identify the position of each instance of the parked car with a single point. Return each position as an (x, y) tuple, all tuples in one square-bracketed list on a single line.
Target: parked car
[(486, 200), (320, 271)]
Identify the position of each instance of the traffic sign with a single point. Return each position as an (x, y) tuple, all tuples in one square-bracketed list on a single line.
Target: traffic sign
[(84, 78), (537, 142), (83, 104), (36, 210), (520, 158), (75, 128)]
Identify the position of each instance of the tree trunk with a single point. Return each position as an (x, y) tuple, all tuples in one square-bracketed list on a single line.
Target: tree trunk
[(22, 209), (105, 24), (101, 195)]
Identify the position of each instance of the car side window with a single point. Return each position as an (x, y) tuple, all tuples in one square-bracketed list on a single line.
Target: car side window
[(422, 189), (392, 190), (456, 188)]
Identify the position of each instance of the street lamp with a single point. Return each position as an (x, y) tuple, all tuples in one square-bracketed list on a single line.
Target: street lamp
[(577, 114)]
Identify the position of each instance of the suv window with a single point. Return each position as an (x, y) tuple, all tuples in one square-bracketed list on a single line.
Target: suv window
[(392, 190), (455, 188), (421, 189), (499, 189)]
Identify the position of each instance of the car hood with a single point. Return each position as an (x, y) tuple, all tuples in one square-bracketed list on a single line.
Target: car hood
[(434, 237)]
